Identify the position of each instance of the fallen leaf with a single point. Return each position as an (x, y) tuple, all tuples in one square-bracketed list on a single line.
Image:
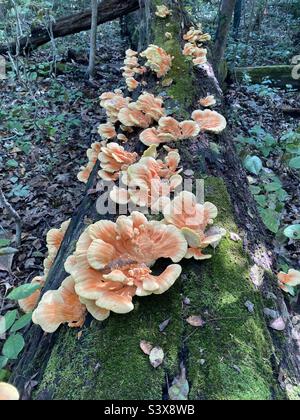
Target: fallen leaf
[(146, 347), (195, 321), (157, 356), (235, 237), (278, 324), (180, 389), (164, 325)]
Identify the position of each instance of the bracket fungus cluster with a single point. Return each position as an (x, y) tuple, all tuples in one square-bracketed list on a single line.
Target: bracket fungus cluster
[(150, 181), (114, 159), (158, 60), (193, 47), (192, 219), (54, 240), (8, 392), (92, 154), (131, 69), (169, 130)]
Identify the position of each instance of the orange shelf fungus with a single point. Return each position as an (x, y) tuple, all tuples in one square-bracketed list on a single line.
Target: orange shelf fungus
[(107, 131), (208, 101), (59, 307), (151, 105), (193, 219), (28, 304), (8, 392), (54, 240), (150, 182), (169, 130), (158, 60), (112, 262), (92, 155), (132, 84), (163, 11), (113, 159), (210, 121), (195, 36), (113, 102), (289, 280), (133, 117)]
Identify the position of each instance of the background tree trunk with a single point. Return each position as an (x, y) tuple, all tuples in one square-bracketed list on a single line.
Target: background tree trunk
[(225, 18), (235, 355), (93, 43), (237, 17)]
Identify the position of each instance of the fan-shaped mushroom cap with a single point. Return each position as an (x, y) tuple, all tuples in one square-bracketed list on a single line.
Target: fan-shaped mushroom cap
[(92, 155), (107, 131), (131, 53), (167, 279), (99, 314), (208, 101), (210, 121), (59, 307), (113, 158), (132, 84), (169, 130), (163, 11), (8, 392), (291, 279), (158, 60), (151, 105), (198, 61), (29, 304), (113, 102), (133, 117), (193, 35)]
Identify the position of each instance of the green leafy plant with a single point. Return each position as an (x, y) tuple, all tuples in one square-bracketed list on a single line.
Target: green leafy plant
[(12, 324)]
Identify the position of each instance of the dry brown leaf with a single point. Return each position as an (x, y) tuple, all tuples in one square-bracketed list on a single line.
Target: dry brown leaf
[(164, 325), (146, 347)]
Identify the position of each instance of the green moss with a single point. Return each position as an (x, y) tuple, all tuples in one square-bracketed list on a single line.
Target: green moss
[(234, 344), (107, 363)]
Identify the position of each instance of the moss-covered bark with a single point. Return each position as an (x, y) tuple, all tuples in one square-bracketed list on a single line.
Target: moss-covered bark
[(229, 358), (280, 76)]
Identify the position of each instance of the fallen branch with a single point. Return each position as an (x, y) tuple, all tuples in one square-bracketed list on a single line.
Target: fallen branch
[(12, 212), (107, 10)]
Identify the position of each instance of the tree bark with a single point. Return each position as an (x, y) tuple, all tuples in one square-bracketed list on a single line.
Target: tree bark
[(224, 24), (107, 10), (93, 43), (234, 356)]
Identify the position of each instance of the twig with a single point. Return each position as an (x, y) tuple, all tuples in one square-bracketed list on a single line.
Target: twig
[(14, 215)]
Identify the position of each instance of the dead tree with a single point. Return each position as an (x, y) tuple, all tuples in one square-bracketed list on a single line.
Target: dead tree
[(107, 10), (93, 43), (235, 355)]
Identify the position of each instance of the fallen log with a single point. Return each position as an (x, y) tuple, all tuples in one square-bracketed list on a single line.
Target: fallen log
[(279, 76), (234, 355), (107, 10)]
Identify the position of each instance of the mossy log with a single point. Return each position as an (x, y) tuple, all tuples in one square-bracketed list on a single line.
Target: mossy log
[(280, 76), (234, 356)]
